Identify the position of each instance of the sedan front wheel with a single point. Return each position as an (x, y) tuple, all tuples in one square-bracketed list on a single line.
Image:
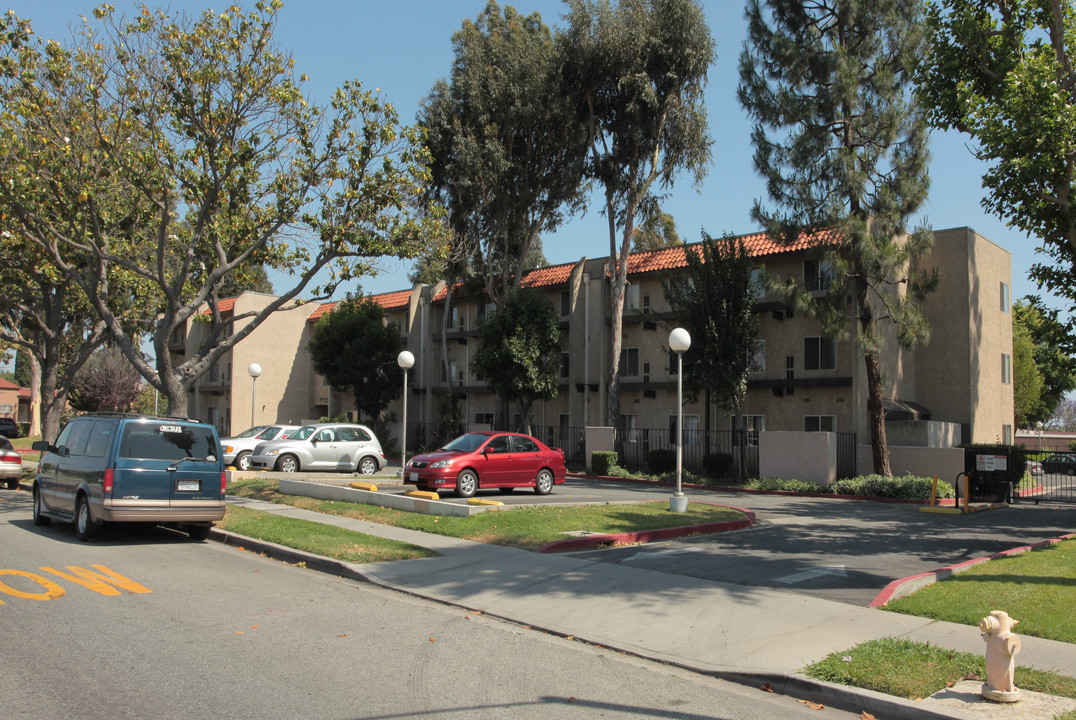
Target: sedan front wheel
[(466, 484)]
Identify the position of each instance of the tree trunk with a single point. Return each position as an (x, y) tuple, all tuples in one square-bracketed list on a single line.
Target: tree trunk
[(876, 413), (35, 396)]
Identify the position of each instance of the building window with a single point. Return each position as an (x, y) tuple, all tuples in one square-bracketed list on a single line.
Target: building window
[(754, 424), (453, 316), (758, 282), (452, 368), (646, 304), (565, 303), (1006, 434), (674, 367), (817, 275), (1006, 369), (818, 354), (631, 298), (629, 362), (1005, 297), (691, 430), (629, 428), (483, 419), (565, 364), (758, 359), (820, 423)]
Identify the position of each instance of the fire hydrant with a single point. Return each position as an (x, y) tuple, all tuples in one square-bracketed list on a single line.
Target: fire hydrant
[(1001, 647)]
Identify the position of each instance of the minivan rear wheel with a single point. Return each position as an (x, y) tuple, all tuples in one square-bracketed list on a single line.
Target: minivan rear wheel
[(85, 527)]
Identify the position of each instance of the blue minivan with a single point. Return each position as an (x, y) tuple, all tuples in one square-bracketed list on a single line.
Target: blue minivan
[(126, 467)]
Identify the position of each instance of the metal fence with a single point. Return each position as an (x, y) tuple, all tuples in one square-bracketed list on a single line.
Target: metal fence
[(719, 453)]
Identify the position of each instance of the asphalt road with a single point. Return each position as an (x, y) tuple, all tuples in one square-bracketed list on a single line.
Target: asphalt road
[(146, 624)]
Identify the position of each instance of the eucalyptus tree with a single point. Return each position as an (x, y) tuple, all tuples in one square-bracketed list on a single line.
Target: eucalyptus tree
[(183, 150), (657, 231), (1001, 71), (637, 70), (843, 148), (507, 147)]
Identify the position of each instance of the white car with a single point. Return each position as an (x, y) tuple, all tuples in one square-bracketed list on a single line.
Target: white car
[(237, 449), (10, 464), (327, 446)]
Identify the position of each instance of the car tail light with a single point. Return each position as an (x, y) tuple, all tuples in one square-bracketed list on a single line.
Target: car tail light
[(223, 482), (109, 477)]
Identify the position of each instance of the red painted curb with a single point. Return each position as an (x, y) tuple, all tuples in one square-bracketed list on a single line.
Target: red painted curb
[(887, 593), (589, 542)]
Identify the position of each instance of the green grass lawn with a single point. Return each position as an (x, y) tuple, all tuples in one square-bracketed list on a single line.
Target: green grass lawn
[(325, 540), (527, 528), (1037, 588)]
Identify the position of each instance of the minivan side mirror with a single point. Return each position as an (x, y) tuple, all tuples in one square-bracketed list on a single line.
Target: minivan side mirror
[(43, 446)]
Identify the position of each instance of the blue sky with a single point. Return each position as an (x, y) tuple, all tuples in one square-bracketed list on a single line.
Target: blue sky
[(403, 47)]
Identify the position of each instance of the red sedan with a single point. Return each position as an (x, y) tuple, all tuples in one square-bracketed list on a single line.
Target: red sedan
[(483, 460)]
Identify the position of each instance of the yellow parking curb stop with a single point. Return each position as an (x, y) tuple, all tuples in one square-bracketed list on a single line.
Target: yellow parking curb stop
[(364, 486), (429, 495), (483, 501)]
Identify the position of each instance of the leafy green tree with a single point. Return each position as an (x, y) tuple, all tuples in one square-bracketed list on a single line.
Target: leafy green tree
[(507, 147), (715, 302), (355, 350), (519, 356), (1052, 354), (1027, 379), (181, 151), (638, 71), (1001, 71), (848, 153), (657, 231)]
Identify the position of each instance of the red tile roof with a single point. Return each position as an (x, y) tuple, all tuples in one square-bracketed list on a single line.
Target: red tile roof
[(756, 245), (390, 301), (8, 385), (552, 275), (225, 306)]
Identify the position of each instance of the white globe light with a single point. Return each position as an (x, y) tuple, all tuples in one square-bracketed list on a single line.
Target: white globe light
[(254, 370), (406, 360), (679, 340)]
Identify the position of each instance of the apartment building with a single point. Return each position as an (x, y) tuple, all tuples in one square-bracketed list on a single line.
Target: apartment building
[(958, 388)]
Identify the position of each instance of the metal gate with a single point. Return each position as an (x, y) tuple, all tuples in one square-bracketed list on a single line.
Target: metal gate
[(1050, 477)]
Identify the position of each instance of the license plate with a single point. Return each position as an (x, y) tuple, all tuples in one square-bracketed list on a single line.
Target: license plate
[(414, 477), (188, 485)]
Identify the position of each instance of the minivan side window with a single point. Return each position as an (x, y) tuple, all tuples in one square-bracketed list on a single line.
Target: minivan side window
[(80, 434), (65, 436), (100, 438)]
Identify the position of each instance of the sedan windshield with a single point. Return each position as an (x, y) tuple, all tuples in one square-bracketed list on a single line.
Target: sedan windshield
[(252, 432), (467, 443)]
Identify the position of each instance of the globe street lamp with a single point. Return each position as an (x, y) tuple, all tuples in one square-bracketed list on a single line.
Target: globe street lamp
[(679, 342), (254, 370), (406, 361)]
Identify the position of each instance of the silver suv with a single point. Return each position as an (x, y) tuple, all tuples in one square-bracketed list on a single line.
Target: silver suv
[(325, 446)]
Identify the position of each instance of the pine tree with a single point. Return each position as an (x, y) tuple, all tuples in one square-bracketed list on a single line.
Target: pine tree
[(842, 147)]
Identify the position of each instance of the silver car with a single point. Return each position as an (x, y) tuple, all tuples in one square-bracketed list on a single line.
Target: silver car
[(237, 449), (326, 446)]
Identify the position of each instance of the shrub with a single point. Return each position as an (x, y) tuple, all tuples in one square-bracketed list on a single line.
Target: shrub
[(602, 461), (905, 487), (771, 484), (1071, 445), (717, 463), (662, 461)]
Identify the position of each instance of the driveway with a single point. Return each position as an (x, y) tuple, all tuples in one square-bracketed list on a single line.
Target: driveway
[(843, 550)]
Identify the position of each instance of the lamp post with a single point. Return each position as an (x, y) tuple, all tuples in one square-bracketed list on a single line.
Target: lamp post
[(254, 370), (1038, 426), (679, 342), (406, 361)]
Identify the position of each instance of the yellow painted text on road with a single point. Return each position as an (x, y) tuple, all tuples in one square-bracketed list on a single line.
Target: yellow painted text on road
[(98, 581)]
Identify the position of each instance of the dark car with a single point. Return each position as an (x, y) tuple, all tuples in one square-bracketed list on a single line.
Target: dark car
[(1060, 463), (126, 467), (481, 460), (8, 427)]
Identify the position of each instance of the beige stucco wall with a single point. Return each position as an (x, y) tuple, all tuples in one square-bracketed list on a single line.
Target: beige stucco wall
[(807, 456)]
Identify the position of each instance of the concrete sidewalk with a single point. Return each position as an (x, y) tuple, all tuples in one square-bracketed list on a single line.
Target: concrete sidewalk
[(754, 635)]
